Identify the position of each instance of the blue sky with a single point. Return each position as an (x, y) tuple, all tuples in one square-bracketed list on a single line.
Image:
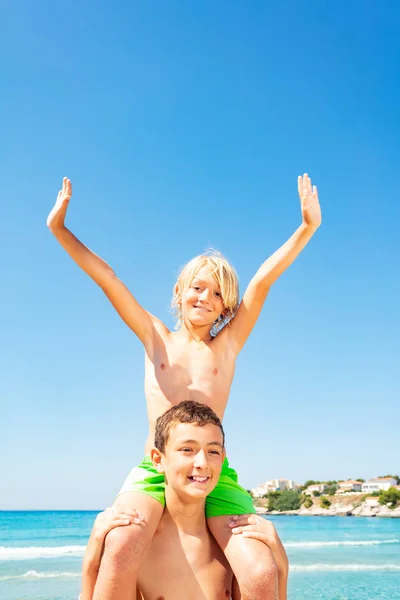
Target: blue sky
[(184, 125)]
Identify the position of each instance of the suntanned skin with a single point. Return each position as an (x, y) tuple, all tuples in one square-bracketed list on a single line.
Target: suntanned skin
[(183, 365), (189, 364), (178, 367), (183, 561)]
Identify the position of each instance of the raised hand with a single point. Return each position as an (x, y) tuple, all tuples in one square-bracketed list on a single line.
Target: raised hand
[(310, 208), (56, 217)]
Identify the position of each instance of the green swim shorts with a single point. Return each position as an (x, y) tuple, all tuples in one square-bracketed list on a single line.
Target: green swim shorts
[(227, 498)]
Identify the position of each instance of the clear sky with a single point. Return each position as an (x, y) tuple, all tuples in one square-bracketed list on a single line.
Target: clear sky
[(184, 125)]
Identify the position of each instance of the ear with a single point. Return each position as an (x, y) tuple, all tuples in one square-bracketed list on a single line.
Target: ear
[(156, 457)]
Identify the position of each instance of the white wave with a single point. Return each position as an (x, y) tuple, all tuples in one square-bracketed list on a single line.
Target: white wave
[(10, 553), (345, 567), (339, 543), (36, 575)]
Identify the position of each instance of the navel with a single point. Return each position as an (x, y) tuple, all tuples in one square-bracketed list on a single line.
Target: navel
[(160, 598), (227, 593), (215, 372), (162, 369)]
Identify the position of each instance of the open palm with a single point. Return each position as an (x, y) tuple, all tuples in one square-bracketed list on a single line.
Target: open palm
[(310, 208), (57, 215)]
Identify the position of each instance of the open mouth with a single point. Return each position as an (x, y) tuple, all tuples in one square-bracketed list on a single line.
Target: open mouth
[(198, 479), (202, 308)]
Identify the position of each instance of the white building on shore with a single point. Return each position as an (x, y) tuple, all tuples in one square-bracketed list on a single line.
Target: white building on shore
[(351, 485), (378, 484), (274, 485), (316, 487)]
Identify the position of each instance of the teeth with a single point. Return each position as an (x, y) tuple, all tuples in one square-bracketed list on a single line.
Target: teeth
[(199, 479)]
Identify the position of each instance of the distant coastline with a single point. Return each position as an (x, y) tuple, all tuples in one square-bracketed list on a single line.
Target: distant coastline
[(347, 505)]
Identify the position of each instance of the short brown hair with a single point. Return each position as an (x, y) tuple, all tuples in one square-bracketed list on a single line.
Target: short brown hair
[(187, 411)]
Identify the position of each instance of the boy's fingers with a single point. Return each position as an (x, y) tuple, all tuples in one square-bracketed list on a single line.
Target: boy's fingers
[(238, 522), (119, 523), (256, 535), (134, 517), (243, 520), (237, 530)]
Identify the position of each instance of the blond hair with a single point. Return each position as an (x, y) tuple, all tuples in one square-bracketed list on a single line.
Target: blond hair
[(224, 275)]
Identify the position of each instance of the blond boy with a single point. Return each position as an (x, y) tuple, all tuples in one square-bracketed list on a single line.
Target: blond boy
[(189, 364)]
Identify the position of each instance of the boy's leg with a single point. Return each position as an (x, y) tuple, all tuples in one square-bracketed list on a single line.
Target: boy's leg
[(125, 546), (251, 561)]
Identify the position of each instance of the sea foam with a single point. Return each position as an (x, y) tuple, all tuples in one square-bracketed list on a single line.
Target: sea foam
[(344, 567), (38, 575), (339, 543), (10, 553)]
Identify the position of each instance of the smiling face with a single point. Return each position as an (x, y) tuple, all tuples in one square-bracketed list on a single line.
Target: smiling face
[(207, 287), (202, 302), (192, 460)]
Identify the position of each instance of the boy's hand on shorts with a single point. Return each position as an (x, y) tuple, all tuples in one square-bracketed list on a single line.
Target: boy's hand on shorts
[(254, 526), (310, 208), (57, 216)]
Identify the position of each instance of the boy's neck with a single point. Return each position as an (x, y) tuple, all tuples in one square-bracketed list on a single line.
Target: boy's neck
[(187, 517)]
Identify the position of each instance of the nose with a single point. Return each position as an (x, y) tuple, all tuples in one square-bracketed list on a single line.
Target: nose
[(205, 294), (200, 460)]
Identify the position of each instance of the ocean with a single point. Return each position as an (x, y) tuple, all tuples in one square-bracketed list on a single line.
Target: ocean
[(331, 558)]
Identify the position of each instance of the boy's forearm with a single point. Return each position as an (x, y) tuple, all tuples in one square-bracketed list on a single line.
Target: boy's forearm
[(87, 260), (89, 578), (276, 264), (282, 586), (282, 563), (91, 567)]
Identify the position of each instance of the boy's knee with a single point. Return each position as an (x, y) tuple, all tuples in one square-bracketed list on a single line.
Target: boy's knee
[(262, 582), (123, 547)]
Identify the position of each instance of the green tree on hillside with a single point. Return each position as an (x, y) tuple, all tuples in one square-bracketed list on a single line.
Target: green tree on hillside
[(325, 503), (308, 483), (272, 497), (308, 502), (390, 496), (288, 500)]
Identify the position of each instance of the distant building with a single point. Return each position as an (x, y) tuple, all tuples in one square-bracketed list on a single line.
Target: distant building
[(372, 501), (316, 487), (349, 486), (378, 484), (274, 485), (284, 484)]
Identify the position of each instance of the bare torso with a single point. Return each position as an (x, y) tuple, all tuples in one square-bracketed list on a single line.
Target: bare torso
[(177, 566), (177, 369)]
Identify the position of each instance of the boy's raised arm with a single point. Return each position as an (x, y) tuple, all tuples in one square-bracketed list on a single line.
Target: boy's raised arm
[(138, 319), (258, 288)]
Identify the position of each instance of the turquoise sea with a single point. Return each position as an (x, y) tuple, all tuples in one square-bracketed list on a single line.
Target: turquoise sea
[(331, 558)]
